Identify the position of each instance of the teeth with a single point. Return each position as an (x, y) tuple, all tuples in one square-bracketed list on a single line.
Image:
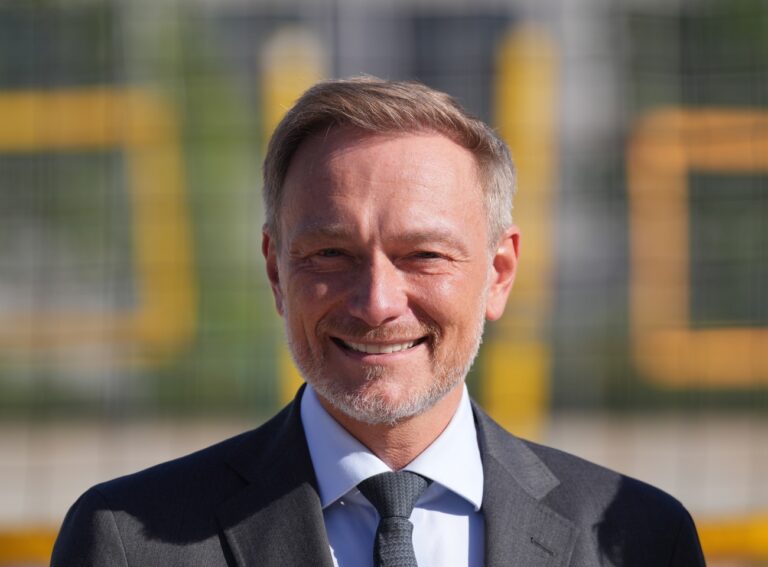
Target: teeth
[(379, 349)]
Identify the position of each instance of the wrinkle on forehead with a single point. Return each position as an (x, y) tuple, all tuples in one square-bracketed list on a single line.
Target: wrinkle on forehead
[(350, 177)]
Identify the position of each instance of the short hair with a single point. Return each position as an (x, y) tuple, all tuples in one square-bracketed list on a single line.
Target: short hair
[(384, 107)]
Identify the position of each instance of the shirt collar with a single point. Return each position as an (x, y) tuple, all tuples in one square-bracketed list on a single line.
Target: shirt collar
[(341, 462)]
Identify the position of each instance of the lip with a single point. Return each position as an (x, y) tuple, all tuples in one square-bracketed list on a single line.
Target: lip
[(377, 349)]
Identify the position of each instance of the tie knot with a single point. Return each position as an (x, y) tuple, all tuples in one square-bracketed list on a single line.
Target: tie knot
[(394, 494)]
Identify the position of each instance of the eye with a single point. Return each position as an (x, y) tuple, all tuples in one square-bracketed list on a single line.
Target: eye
[(330, 253), (426, 255)]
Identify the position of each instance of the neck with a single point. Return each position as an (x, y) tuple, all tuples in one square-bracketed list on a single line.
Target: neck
[(400, 443)]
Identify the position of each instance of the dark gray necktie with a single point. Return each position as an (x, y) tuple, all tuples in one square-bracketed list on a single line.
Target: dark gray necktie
[(394, 494)]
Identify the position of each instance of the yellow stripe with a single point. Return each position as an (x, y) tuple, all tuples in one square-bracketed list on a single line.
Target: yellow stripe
[(665, 146), (32, 545), (293, 61), (516, 354), (143, 126), (743, 538)]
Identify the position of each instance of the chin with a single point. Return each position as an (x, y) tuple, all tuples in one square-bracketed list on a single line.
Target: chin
[(377, 397), (377, 403), (375, 408)]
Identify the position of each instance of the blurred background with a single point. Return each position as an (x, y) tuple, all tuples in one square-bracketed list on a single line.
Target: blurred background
[(136, 324)]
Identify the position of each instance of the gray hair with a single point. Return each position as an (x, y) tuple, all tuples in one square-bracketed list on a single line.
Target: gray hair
[(382, 107)]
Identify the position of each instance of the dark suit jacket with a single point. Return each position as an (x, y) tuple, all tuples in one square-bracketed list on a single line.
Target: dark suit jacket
[(252, 501)]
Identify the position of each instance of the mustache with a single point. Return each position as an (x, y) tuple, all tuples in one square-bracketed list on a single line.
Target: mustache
[(351, 328)]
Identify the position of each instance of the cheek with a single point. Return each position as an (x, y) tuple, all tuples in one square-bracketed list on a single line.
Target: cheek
[(318, 292), (450, 302), (459, 291), (305, 293), (307, 301), (307, 286)]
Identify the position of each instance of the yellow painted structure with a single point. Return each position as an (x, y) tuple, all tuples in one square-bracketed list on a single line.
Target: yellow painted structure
[(516, 354), (293, 61), (665, 146), (738, 538), (142, 126), (29, 546)]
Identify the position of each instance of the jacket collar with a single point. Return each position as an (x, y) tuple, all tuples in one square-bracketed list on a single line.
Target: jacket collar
[(277, 519), (519, 528)]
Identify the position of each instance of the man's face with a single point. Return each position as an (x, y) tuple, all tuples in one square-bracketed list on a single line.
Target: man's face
[(383, 269)]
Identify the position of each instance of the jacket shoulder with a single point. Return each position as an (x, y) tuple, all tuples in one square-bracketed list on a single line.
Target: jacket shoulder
[(628, 521), (619, 520), (583, 481), (208, 473), (137, 517)]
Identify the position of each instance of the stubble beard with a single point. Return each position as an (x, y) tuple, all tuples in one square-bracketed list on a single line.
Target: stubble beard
[(362, 400)]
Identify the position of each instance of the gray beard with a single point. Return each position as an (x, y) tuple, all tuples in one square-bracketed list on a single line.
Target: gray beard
[(366, 407)]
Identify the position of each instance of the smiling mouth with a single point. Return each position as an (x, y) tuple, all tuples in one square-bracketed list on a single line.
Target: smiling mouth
[(368, 348)]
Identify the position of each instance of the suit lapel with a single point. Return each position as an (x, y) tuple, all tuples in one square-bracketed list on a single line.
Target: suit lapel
[(287, 530), (276, 520), (519, 528)]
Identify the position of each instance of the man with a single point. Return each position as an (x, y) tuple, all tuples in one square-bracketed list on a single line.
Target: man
[(388, 243)]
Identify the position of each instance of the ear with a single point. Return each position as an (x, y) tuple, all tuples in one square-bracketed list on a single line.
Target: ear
[(503, 270), (269, 249)]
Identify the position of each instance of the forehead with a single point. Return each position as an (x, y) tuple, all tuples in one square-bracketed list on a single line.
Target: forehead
[(348, 163)]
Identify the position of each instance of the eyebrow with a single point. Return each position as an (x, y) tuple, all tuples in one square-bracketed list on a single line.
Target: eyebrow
[(433, 235), (339, 231)]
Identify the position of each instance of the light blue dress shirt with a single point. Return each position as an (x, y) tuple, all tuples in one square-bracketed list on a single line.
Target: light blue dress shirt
[(448, 524)]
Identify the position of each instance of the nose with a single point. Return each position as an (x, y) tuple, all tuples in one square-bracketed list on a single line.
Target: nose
[(378, 295)]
